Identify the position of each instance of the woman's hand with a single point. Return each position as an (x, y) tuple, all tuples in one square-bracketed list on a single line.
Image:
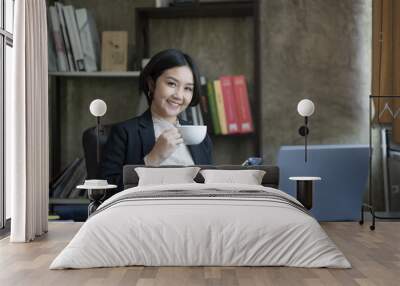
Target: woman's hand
[(165, 145)]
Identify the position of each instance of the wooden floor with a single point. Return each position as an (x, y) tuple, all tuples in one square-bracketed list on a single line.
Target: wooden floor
[(374, 255)]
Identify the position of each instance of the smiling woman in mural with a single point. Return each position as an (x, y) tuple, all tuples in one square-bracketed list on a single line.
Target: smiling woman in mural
[(171, 83)]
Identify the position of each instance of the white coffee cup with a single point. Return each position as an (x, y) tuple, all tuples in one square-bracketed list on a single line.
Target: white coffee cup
[(193, 134)]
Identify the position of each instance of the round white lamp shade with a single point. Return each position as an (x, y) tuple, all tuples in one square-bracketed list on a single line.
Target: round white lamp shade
[(305, 107), (98, 107)]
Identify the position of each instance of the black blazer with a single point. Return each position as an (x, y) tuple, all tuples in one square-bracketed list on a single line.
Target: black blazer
[(130, 141)]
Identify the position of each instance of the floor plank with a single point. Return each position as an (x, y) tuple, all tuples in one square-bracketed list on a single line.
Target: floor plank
[(374, 255)]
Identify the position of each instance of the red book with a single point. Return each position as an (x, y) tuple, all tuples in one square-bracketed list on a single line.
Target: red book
[(242, 103), (232, 120)]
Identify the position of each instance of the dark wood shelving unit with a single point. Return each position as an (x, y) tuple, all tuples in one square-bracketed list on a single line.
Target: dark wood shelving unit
[(203, 10), (55, 106), (228, 9), (235, 135)]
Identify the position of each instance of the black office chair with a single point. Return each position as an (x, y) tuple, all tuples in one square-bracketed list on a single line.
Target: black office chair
[(89, 140)]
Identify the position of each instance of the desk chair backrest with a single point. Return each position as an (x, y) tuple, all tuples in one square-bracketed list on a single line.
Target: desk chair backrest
[(89, 141)]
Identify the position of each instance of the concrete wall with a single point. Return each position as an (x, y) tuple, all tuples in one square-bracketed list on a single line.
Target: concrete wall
[(321, 50)]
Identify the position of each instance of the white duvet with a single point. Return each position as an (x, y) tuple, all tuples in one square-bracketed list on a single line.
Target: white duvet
[(183, 231)]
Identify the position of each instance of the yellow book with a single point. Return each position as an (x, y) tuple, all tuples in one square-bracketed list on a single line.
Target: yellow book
[(53, 217), (220, 106)]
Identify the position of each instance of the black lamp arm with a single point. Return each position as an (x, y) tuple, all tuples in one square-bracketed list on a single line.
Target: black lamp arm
[(98, 140), (303, 131), (305, 138)]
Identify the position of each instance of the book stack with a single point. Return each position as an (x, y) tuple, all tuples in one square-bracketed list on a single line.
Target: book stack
[(225, 107), (74, 39), (65, 185)]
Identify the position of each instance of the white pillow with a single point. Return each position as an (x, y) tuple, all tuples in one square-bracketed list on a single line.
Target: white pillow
[(249, 177), (162, 176)]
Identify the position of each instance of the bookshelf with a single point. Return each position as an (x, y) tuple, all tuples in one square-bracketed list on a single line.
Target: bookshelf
[(73, 208), (233, 9), (96, 74), (69, 201), (59, 82)]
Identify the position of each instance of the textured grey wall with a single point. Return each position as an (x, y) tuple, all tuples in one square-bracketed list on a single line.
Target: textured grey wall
[(321, 50)]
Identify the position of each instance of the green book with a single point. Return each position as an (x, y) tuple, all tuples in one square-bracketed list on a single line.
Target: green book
[(213, 107)]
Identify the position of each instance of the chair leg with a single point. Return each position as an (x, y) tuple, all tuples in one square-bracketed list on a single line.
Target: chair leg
[(372, 227), (361, 222)]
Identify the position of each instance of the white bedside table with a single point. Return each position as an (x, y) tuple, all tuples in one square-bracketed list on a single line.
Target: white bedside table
[(96, 195), (304, 191)]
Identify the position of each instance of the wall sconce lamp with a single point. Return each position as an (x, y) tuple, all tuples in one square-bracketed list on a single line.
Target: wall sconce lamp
[(305, 108), (98, 108)]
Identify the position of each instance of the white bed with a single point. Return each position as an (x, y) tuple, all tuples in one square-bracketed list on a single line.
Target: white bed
[(201, 224)]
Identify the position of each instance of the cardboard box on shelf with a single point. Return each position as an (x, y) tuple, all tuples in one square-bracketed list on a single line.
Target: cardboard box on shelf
[(114, 52)]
